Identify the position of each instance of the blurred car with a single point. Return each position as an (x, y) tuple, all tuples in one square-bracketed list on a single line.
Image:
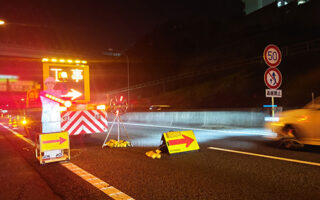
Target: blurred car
[(295, 128), (159, 107)]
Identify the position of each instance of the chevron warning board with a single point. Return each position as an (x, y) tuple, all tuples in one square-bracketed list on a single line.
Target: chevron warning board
[(84, 122)]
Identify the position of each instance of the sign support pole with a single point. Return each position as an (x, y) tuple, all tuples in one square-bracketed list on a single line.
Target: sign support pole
[(272, 76), (272, 102)]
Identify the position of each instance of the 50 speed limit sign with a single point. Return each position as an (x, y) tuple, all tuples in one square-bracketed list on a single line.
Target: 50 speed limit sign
[(272, 55)]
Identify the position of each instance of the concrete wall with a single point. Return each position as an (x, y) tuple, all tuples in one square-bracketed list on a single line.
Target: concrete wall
[(198, 118)]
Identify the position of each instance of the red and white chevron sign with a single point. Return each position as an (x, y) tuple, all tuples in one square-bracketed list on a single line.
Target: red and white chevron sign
[(84, 122)]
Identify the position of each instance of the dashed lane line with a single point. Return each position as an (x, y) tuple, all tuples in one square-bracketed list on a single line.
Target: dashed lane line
[(106, 188), (266, 156)]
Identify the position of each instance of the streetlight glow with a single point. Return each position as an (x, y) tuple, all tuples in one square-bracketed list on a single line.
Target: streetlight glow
[(2, 22)]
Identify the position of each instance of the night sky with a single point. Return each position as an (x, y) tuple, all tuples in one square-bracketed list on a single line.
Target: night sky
[(115, 24)]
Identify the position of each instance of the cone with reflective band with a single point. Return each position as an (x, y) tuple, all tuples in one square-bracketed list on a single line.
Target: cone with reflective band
[(10, 122), (14, 124)]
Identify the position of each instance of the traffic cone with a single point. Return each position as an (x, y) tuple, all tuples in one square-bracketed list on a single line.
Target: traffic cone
[(10, 122), (14, 124)]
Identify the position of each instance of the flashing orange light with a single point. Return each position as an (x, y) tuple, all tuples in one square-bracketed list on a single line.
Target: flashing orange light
[(70, 61), (84, 62), (67, 104), (45, 59), (53, 60), (78, 61), (101, 107), (62, 60), (24, 122)]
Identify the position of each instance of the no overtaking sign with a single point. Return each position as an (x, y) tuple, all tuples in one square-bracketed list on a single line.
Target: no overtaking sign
[(273, 78)]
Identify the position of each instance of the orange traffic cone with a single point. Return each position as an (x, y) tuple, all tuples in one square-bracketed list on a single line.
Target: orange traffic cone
[(14, 124)]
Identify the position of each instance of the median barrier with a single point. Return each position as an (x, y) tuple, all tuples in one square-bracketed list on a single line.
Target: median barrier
[(251, 118)]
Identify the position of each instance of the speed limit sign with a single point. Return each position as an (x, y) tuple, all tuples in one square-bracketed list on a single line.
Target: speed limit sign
[(272, 55)]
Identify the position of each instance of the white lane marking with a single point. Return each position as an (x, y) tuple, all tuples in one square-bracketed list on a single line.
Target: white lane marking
[(75, 169), (91, 179), (266, 156), (19, 135)]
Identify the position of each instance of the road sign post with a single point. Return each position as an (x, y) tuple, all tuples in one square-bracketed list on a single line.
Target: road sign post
[(272, 76)]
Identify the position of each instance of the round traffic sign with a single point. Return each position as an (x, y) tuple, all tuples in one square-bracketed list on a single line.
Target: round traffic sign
[(273, 78), (272, 55)]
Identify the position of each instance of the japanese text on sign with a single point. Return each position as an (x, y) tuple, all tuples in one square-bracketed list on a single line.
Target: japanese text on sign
[(60, 74), (273, 93)]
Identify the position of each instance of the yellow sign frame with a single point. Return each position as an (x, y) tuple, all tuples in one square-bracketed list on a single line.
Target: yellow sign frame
[(180, 141), (86, 78), (53, 141)]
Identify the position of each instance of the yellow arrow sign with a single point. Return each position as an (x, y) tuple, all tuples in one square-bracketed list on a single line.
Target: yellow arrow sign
[(181, 141), (54, 141)]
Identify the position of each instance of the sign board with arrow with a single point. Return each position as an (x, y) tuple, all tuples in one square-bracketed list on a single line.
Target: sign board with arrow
[(54, 141), (180, 141), (74, 78)]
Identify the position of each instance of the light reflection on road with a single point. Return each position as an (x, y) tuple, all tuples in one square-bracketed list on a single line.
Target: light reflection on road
[(150, 135)]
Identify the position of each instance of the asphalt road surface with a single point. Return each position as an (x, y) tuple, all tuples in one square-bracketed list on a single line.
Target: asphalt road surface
[(256, 168)]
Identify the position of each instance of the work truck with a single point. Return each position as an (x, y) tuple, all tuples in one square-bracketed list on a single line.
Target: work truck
[(80, 115)]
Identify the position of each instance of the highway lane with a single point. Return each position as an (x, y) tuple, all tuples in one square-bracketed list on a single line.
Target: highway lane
[(206, 174)]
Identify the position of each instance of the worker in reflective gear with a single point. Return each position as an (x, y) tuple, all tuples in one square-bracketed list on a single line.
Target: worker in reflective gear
[(51, 119)]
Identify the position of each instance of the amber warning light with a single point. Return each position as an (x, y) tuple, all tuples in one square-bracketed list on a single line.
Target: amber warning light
[(61, 60), (65, 103)]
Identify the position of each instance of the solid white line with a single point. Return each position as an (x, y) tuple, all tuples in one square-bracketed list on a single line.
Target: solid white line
[(69, 165), (104, 188), (266, 156), (117, 193), (19, 135), (91, 179), (99, 183)]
